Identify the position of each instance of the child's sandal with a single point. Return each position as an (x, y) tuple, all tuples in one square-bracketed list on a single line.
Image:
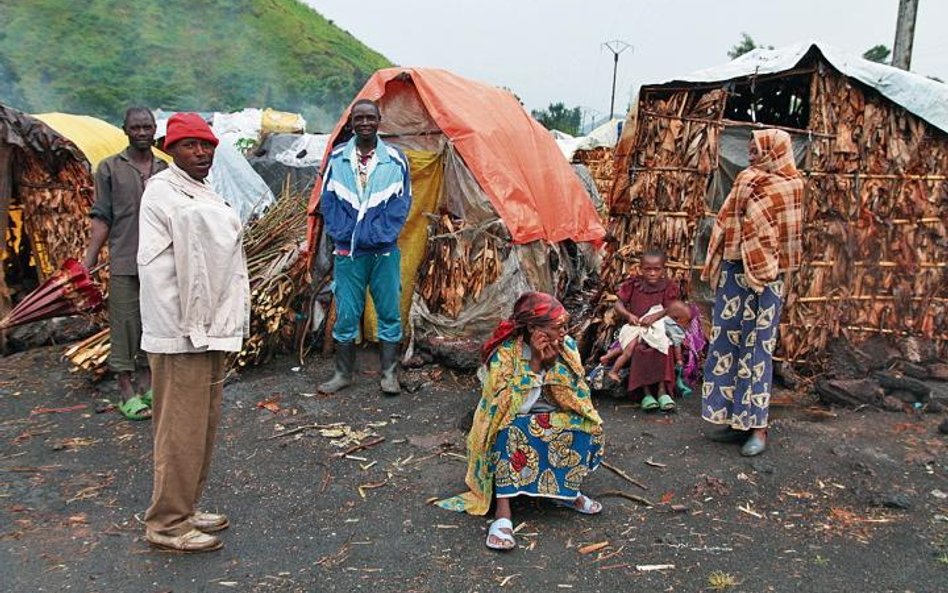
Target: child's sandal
[(649, 403)]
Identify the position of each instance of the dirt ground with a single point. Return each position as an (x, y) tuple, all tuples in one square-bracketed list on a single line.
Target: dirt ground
[(854, 501)]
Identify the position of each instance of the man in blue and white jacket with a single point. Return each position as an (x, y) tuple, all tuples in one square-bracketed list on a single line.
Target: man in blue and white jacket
[(366, 196)]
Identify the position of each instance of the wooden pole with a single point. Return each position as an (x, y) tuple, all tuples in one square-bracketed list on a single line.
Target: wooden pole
[(6, 198), (904, 34)]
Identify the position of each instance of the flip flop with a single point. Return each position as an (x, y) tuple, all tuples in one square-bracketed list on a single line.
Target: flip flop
[(133, 409), (649, 403), (666, 403), (587, 506), (501, 529), (148, 397)]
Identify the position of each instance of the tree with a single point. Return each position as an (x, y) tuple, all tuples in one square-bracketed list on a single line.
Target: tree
[(878, 53), (558, 117), (747, 44)]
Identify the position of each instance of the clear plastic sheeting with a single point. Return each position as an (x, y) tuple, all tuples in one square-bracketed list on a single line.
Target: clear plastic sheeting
[(479, 318), (306, 150), (582, 171), (240, 124), (289, 161), (463, 196), (235, 180), (606, 135), (527, 268)]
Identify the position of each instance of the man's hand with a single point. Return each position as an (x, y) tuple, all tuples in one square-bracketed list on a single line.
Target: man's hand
[(633, 320), (99, 235)]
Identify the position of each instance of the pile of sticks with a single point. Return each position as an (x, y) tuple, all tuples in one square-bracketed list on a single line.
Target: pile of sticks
[(459, 263), (277, 272), (90, 355), (276, 268)]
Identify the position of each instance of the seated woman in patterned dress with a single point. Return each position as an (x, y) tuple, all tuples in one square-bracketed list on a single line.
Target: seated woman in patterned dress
[(535, 430)]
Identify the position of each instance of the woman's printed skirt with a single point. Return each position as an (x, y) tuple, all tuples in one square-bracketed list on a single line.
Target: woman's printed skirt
[(739, 369), (532, 457)]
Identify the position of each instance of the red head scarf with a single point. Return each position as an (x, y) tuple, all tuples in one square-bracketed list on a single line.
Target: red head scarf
[(532, 308)]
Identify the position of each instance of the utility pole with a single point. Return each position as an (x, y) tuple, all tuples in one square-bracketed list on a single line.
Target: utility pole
[(904, 34), (616, 47)]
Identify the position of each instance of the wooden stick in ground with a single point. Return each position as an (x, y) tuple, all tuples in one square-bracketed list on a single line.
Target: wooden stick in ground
[(355, 448), (624, 475), (287, 433), (627, 496)]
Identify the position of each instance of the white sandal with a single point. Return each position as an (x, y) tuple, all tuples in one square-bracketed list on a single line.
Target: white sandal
[(501, 529), (587, 505)]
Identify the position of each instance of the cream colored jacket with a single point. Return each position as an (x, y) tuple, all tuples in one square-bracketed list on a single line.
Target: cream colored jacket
[(195, 293)]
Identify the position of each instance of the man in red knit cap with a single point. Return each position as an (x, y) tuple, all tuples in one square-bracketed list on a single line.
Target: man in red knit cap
[(195, 303)]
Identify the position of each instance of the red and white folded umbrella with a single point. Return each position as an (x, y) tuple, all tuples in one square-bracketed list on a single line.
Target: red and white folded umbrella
[(70, 291)]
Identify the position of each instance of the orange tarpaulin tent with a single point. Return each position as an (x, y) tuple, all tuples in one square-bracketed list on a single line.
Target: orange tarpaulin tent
[(491, 185), (513, 158)]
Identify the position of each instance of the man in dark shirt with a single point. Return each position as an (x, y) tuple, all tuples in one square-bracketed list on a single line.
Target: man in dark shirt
[(119, 183)]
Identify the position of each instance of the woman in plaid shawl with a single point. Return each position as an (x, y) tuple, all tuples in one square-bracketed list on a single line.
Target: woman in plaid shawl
[(755, 243)]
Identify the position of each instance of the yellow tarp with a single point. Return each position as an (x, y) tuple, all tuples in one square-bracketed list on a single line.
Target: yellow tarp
[(97, 139), (427, 176)]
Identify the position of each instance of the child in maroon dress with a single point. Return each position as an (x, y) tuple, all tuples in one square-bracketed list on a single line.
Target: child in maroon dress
[(650, 371)]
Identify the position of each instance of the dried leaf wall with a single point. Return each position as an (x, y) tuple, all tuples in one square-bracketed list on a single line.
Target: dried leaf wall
[(55, 211), (876, 248), (599, 161)]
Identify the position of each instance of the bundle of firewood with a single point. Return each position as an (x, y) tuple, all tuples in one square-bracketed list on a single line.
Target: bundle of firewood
[(459, 263), (91, 354), (277, 272), (276, 269)]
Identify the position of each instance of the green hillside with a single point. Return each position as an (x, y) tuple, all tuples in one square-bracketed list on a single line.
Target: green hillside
[(99, 56)]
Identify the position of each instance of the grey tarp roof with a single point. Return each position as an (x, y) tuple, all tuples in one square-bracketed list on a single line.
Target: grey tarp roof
[(926, 98)]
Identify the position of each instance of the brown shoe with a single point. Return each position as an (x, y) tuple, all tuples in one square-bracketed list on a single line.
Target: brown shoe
[(192, 541), (208, 522)]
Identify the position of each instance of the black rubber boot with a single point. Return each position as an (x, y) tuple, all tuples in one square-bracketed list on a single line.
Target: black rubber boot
[(345, 366), (388, 355)]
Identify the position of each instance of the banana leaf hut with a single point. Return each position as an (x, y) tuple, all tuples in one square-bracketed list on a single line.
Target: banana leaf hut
[(872, 144)]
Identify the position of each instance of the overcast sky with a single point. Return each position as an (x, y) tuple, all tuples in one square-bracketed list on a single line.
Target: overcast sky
[(551, 50)]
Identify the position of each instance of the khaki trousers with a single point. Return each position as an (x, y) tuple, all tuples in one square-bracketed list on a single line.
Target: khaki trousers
[(187, 407)]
